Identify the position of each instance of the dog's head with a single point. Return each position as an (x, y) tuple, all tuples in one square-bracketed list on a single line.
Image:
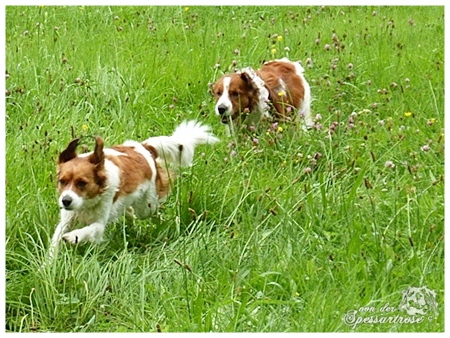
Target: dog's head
[(81, 178), (235, 94)]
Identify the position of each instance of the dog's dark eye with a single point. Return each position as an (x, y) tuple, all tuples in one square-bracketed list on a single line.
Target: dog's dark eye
[(81, 184), (234, 94), (219, 93), (62, 182)]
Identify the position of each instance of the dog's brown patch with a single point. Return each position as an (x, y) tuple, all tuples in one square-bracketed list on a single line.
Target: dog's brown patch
[(134, 170), (292, 95)]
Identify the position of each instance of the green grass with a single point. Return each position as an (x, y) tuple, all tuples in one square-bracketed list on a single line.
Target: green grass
[(280, 230)]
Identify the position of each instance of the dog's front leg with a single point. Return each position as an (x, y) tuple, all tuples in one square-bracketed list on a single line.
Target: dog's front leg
[(63, 226), (91, 233)]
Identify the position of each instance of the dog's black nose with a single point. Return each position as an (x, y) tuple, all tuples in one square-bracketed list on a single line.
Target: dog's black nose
[(221, 110), (66, 201)]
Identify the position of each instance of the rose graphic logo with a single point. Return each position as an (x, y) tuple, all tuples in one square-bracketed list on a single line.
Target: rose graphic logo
[(418, 301)]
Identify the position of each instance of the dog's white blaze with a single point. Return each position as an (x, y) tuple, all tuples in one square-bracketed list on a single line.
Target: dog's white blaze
[(224, 100)]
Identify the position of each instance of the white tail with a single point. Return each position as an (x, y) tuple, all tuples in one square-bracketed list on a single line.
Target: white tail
[(179, 148)]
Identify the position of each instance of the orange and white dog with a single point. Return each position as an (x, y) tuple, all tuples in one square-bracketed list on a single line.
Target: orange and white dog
[(97, 187), (278, 90)]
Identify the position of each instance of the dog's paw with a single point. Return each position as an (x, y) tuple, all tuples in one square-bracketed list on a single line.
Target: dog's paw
[(129, 213), (70, 238)]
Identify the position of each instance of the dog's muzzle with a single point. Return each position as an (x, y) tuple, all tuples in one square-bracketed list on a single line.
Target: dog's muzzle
[(222, 109), (224, 112), (66, 202)]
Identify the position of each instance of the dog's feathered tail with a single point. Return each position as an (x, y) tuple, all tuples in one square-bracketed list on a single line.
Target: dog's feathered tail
[(178, 149)]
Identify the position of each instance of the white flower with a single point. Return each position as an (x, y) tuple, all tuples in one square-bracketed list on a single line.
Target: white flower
[(389, 164)]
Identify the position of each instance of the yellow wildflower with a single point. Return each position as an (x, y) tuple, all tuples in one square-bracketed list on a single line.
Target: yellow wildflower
[(280, 129), (279, 38), (84, 127), (273, 51), (186, 9), (408, 114)]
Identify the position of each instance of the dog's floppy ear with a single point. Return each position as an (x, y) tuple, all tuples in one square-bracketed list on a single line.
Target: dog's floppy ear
[(97, 157), (70, 152), (245, 77)]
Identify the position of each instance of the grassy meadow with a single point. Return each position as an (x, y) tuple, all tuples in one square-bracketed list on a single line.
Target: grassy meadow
[(274, 230)]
